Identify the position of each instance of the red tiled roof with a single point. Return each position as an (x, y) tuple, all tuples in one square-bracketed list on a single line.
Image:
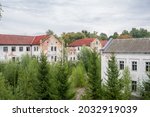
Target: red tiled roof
[(82, 42), (20, 40), (37, 39), (103, 42)]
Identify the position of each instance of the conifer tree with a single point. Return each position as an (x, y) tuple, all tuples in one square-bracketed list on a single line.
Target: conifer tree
[(5, 92), (43, 77), (92, 63), (126, 83), (27, 81), (113, 83), (62, 81), (146, 88)]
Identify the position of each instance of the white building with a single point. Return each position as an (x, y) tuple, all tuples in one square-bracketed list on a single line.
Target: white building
[(75, 47), (133, 53), (14, 46)]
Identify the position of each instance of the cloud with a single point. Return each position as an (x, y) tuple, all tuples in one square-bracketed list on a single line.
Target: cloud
[(37, 16)]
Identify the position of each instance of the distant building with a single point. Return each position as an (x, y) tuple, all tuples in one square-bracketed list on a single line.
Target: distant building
[(75, 47), (133, 53), (14, 46)]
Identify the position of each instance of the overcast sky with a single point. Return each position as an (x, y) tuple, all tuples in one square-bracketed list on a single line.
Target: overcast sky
[(32, 17)]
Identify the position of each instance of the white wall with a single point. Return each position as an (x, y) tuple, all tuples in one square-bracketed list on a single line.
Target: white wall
[(138, 75)]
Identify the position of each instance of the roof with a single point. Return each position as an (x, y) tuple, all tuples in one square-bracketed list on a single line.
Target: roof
[(128, 46), (81, 42), (20, 40), (103, 42), (37, 39)]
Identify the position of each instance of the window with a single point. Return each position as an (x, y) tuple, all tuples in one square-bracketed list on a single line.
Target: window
[(20, 49), (51, 57), (55, 48), (55, 58), (78, 48), (27, 48), (13, 58), (13, 49), (52, 48), (96, 42), (121, 65), (37, 48), (134, 86), (74, 58), (147, 67), (5, 49), (34, 48), (134, 65)]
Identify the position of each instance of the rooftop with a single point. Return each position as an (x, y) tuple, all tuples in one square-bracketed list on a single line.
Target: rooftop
[(128, 46)]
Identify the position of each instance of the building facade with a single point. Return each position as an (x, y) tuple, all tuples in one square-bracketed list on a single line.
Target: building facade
[(15, 46), (75, 47), (131, 53)]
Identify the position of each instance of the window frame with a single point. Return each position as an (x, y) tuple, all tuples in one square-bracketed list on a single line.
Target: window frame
[(13, 48), (121, 65), (134, 65), (147, 66), (21, 50), (4, 49)]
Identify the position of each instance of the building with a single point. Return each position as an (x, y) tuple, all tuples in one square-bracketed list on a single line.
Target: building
[(133, 53), (14, 46), (75, 47)]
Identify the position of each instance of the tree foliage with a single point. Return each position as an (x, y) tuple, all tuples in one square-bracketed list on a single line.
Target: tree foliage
[(113, 82)]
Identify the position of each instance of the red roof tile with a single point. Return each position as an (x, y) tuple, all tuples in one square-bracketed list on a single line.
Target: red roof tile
[(20, 40), (103, 42), (37, 39), (82, 42)]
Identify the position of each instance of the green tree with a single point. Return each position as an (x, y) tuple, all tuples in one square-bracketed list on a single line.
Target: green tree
[(62, 76), (10, 73), (5, 92), (27, 81), (43, 77), (146, 88), (103, 36), (92, 64), (78, 81), (126, 83), (113, 83), (49, 32)]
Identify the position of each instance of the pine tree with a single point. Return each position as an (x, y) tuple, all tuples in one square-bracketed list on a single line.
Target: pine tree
[(43, 77), (94, 74), (146, 88), (126, 83), (5, 92), (92, 63), (113, 83), (27, 81), (62, 81)]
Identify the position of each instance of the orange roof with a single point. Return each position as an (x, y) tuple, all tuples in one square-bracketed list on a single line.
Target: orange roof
[(82, 42)]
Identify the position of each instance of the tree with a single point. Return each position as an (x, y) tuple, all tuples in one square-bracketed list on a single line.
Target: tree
[(146, 88), (92, 64), (78, 81), (126, 83), (10, 73), (49, 32), (62, 76), (115, 35), (103, 36), (5, 92), (27, 81), (43, 77), (113, 83)]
